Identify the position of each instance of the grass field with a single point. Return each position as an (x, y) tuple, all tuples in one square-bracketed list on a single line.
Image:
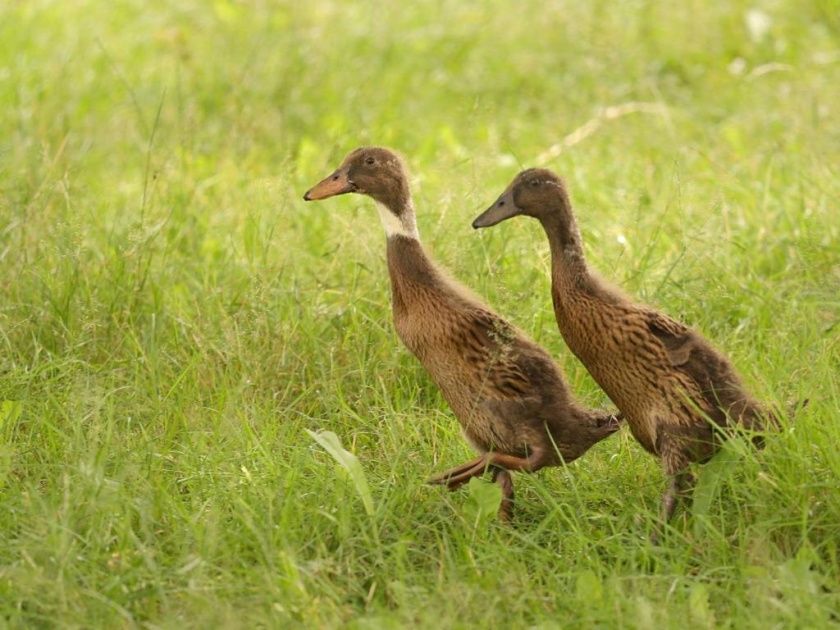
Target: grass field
[(173, 318)]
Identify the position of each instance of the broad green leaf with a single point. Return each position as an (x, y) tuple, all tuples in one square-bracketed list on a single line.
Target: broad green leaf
[(483, 501), (698, 606), (329, 442), (712, 475), (588, 587)]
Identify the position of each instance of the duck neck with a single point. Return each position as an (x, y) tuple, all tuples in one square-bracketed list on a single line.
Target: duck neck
[(568, 265), (412, 272), (413, 275), (398, 219)]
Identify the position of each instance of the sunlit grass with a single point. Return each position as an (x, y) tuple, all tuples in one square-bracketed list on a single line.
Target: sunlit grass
[(173, 319)]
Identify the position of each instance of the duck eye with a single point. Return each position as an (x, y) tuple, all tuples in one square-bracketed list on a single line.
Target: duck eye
[(535, 183), (370, 161)]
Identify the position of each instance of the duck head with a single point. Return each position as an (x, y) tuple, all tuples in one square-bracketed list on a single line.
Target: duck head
[(380, 174), (536, 192)]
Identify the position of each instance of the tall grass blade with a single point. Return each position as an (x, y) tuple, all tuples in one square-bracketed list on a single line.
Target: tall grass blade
[(348, 461), (711, 477)]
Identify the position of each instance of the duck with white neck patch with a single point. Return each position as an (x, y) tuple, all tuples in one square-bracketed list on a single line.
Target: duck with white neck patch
[(507, 392)]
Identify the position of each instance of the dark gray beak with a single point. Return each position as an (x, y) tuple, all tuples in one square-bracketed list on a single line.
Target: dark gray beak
[(504, 208)]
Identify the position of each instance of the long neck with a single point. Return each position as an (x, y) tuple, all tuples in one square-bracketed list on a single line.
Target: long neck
[(568, 265), (399, 221), (409, 267), (413, 274)]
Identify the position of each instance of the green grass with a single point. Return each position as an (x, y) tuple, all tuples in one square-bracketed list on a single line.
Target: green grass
[(173, 318)]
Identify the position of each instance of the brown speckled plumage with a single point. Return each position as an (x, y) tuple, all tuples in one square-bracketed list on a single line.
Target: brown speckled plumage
[(675, 390), (506, 391)]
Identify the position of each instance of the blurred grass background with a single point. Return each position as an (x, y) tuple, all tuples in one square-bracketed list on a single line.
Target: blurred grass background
[(172, 317)]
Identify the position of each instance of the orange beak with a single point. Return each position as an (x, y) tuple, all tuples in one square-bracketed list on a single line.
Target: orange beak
[(336, 184)]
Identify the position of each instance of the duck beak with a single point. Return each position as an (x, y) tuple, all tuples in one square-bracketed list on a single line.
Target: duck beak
[(336, 184), (503, 208)]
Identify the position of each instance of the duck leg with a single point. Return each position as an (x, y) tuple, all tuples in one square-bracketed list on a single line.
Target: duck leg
[(459, 476), (679, 488), (537, 459), (475, 467), (505, 481), (680, 483)]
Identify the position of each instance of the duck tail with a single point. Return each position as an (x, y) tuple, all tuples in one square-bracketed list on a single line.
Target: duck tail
[(765, 420), (790, 411)]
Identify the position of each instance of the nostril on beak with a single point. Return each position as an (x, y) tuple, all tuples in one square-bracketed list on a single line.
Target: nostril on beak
[(335, 177)]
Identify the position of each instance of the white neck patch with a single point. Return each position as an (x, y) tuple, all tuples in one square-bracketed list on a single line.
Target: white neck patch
[(395, 226)]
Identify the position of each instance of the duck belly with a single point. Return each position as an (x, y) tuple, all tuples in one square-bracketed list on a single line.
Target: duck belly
[(642, 398), (482, 429)]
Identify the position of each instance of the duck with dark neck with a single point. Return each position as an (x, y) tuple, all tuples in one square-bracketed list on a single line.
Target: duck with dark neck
[(507, 393), (663, 376), (568, 263)]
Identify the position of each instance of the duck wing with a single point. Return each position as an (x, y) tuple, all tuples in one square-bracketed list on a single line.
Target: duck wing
[(715, 378), (524, 391), (512, 368), (678, 339)]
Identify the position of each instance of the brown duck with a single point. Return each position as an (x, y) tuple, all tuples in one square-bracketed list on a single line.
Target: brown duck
[(676, 391), (508, 394)]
